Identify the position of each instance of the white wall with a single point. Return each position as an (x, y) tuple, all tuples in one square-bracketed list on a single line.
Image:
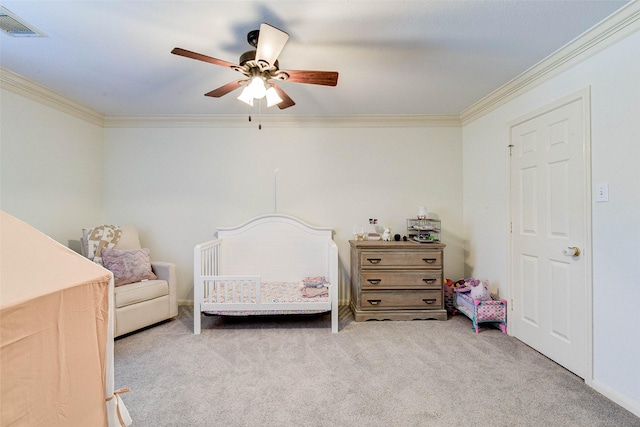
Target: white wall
[(177, 185), (50, 168), (615, 94)]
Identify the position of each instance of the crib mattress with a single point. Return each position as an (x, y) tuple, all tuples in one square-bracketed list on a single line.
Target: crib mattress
[(273, 292)]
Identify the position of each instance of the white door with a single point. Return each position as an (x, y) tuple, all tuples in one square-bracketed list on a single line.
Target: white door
[(550, 190)]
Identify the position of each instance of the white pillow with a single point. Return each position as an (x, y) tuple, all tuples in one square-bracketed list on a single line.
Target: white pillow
[(129, 238)]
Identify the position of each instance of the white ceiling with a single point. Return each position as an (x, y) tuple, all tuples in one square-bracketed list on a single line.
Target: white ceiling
[(394, 57)]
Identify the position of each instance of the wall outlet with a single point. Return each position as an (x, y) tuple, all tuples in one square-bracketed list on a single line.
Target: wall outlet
[(602, 192)]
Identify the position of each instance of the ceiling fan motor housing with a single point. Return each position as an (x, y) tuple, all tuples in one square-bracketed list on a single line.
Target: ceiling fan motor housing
[(252, 37), (248, 59)]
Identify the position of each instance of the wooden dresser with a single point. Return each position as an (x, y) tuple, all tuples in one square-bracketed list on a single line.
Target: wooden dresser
[(397, 280)]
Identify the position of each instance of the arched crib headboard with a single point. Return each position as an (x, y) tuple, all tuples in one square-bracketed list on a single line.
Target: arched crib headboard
[(274, 248)]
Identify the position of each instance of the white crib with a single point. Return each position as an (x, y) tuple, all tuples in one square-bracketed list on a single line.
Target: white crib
[(233, 273)]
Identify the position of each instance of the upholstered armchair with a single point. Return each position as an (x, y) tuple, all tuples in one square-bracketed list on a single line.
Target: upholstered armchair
[(145, 291)]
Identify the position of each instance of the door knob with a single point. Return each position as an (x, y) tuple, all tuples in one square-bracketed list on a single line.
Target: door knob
[(572, 251)]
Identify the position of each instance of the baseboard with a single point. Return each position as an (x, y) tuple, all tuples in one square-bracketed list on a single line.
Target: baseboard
[(614, 396)]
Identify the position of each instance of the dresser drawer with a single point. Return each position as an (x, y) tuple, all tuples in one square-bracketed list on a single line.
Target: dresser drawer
[(389, 279), (401, 259), (381, 300)]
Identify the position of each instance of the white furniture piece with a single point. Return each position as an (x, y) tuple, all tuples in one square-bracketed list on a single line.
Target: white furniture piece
[(145, 303), (233, 273)]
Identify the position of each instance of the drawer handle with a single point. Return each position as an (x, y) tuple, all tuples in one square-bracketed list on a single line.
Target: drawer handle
[(374, 281), (429, 280), (375, 301), (374, 260), (429, 260), (429, 300)]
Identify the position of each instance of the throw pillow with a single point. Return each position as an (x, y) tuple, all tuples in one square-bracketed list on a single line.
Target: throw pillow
[(102, 236), (314, 282), (128, 265)]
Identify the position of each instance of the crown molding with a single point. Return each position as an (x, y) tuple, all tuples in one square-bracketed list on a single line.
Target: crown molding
[(280, 121), (621, 24), (29, 89)]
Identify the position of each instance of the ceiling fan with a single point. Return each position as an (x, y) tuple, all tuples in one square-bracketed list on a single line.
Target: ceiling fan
[(261, 69)]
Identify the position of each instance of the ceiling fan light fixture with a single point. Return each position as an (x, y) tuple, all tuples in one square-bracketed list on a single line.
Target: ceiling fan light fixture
[(246, 97), (257, 87), (272, 97)]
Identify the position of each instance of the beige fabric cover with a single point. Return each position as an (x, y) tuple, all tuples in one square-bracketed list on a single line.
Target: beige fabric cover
[(54, 332)]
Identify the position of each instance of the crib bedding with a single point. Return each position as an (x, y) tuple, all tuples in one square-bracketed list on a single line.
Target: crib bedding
[(271, 293)]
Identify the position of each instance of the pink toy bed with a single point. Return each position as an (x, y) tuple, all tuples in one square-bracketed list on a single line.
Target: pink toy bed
[(271, 264)]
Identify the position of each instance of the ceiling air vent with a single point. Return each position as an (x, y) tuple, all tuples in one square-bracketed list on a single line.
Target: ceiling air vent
[(16, 27)]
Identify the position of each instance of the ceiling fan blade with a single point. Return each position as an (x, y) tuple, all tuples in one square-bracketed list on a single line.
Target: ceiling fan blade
[(223, 90), (326, 78), (286, 100), (270, 43), (201, 57)]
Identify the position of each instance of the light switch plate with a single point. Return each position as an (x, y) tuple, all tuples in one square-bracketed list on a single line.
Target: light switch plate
[(602, 192)]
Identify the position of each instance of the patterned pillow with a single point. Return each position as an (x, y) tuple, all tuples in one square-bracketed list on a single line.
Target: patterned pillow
[(314, 282), (128, 265), (102, 236)]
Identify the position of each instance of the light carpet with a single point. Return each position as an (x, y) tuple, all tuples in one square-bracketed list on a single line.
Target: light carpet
[(292, 371)]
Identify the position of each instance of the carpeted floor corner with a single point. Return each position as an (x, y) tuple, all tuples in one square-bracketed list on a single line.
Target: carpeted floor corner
[(292, 371)]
